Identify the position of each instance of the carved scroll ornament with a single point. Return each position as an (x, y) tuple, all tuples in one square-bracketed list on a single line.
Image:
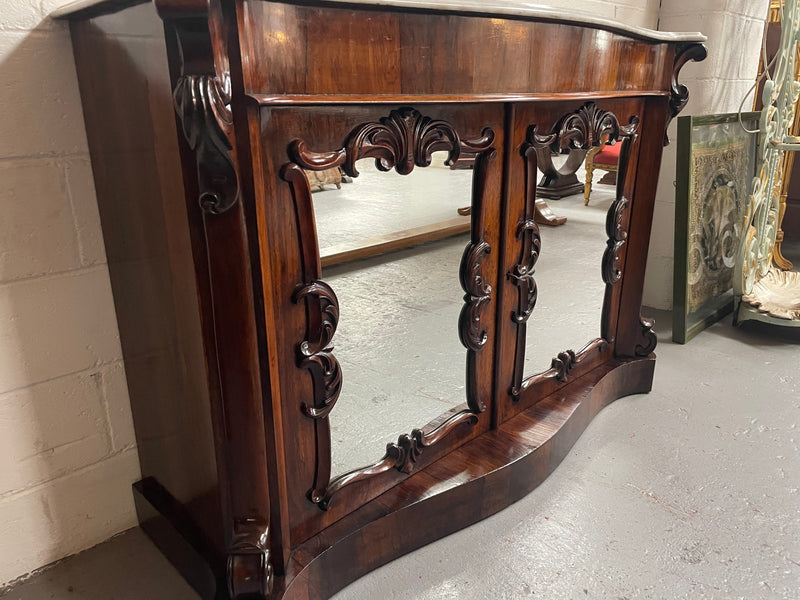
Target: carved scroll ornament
[(203, 105), (401, 141), (679, 93), (315, 355)]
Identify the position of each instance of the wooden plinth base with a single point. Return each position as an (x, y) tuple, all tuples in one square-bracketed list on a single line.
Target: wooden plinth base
[(569, 186), (471, 483)]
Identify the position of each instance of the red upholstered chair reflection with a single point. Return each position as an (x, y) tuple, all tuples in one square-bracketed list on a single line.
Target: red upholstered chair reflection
[(601, 157)]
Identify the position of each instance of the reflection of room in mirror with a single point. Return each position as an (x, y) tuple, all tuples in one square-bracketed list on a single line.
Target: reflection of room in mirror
[(397, 335), (567, 315), (375, 206)]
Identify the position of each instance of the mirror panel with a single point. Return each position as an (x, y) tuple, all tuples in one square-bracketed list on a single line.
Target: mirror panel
[(568, 316), (397, 338), (563, 324)]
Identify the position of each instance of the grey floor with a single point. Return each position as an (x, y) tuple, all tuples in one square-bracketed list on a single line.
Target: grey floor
[(691, 491)]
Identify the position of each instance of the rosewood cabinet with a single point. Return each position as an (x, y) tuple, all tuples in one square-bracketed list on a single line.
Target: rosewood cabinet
[(202, 116)]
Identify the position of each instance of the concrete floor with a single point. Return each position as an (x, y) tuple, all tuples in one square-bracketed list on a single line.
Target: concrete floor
[(691, 491)]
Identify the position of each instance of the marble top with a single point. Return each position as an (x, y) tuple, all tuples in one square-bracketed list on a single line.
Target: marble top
[(512, 8)]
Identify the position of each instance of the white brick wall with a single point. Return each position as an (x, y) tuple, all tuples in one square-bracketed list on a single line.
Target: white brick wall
[(67, 454)]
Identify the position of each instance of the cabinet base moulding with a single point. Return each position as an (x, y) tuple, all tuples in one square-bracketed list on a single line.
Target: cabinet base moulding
[(467, 485)]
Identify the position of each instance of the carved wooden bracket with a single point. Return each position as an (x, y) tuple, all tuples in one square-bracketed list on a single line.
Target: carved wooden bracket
[(203, 105), (249, 569), (679, 93), (403, 140)]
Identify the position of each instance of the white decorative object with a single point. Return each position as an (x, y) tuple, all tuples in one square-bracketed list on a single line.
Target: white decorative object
[(777, 294), (761, 224)]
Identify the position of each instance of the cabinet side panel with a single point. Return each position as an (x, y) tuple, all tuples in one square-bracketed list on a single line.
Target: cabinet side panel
[(156, 256)]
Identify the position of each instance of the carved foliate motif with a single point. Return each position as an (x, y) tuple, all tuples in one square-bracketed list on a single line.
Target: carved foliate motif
[(314, 353), (402, 455), (561, 366), (203, 105), (586, 127), (401, 141), (616, 239), (679, 93), (522, 273), (477, 296)]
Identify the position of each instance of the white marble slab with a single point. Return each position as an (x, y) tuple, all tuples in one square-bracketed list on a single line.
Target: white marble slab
[(512, 8)]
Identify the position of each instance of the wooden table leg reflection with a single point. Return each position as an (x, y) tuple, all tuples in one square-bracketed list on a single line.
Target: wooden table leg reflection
[(543, 214)]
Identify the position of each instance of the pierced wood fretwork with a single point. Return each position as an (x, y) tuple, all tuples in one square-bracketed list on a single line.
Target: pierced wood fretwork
[(588, 126), (401, 141)]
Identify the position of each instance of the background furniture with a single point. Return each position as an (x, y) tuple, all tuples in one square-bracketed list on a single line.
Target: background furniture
[(762, 291), (603, 157), (225, 320), (789, 213)]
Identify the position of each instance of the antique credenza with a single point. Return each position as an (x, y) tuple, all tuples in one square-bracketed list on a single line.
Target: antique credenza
[(202, 116)]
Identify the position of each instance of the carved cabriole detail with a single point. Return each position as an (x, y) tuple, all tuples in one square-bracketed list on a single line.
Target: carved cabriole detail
[(588, 126), (203, 105), (202, 100), (249, 570), (403, 140), (679, 93)]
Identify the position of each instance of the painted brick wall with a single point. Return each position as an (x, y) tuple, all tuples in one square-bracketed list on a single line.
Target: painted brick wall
[(67, 453)]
